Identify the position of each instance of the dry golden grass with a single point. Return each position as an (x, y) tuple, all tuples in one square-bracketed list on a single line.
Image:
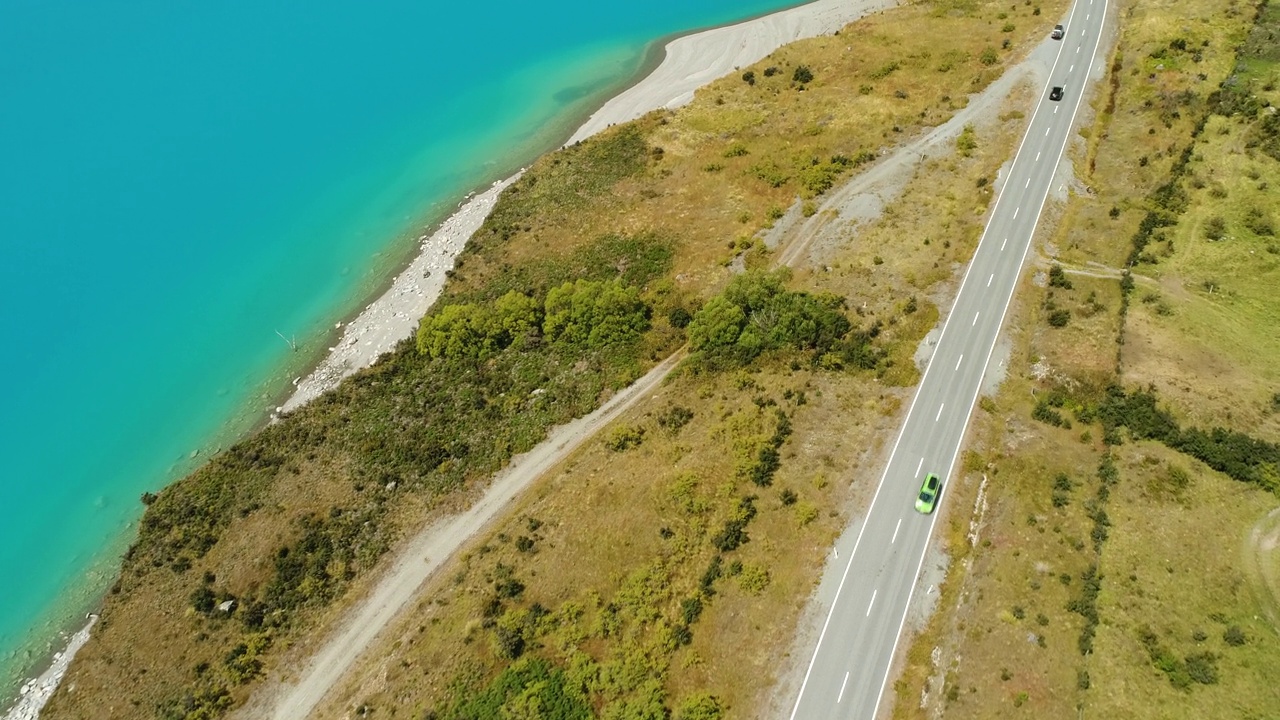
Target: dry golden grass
[(601, 513)]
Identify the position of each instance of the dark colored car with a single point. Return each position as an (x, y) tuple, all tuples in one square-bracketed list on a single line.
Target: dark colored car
[(1058, 32), (928, 494), (1056, 93)]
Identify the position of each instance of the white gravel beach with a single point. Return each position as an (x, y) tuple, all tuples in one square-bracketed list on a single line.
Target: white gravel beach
[(35, 693), (690, 62)]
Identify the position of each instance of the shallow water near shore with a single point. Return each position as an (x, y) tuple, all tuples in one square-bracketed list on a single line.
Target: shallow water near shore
[(185, 184)]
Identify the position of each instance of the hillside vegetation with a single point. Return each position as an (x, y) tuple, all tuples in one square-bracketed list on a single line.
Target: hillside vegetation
[(604, 258)]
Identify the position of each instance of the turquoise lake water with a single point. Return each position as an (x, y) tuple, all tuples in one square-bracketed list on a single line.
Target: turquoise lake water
[(181, 181)]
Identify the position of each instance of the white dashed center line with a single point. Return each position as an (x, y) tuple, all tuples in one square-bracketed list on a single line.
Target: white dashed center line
[(1006, 242), (1073, 67), (1028, 183), (935, 417), (975, 315), (872, 603), (958, 363), (846, 682), (895, 531), (1038, 156), (993, 277), (919, 466), (1015, 213), (1046, 132)]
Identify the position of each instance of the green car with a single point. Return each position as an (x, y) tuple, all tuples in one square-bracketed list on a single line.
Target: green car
[(928, 493)]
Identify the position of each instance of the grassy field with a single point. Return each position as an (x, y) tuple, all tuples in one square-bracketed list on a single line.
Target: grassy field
[(1150, 594)]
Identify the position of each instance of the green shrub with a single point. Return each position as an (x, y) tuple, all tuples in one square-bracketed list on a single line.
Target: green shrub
[(967, 141), (769, 172), (530, 687), (1215, 228), (674, 418), (1203, 668), (1058, 277), (701, 706), (802, 74), (734, 532), (203, 600), (885, 70), (1234, 636), (679, 317), (753, 579), (625, 437)]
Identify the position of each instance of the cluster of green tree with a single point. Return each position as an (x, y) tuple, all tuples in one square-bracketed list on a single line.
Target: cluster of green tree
[(528, 688), (1232, 453), (756, 313), (413, 423), (586, 314)]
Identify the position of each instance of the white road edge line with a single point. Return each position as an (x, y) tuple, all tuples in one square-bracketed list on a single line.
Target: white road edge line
[(914, 398), (846, 682), (933, 517), (895, 531), (872, 603)]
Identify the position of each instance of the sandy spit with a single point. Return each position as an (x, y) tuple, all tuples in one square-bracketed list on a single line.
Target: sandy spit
[(689, 63)]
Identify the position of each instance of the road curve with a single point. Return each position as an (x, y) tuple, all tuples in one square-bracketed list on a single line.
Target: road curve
[(849, 670)]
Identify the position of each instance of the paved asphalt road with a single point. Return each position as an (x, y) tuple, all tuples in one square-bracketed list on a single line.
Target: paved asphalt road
[(850, 667)]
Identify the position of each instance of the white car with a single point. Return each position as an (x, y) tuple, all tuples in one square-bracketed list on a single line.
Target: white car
[(1058, 32)]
